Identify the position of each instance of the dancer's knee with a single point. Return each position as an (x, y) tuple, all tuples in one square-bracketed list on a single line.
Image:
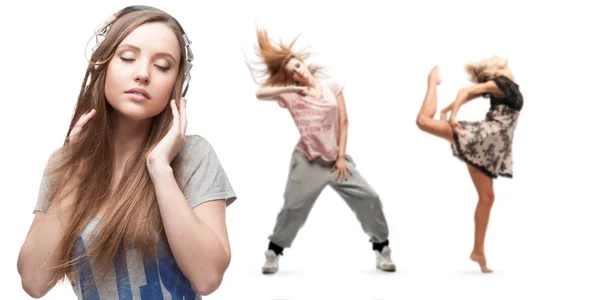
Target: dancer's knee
[(422, 121)]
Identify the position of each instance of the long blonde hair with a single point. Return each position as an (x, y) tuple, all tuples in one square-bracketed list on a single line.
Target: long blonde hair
[(274, 57), (132, 219), (480, 71)]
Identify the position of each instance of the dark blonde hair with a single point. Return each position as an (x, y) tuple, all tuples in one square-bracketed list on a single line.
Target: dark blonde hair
[(132, 219), (480, 72), (274, 57)]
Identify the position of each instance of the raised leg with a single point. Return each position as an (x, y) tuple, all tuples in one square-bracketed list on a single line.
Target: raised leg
[(425, 118)]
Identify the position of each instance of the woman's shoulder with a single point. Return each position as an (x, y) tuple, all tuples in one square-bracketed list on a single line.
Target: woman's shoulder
[(196, 146), (326, 80), (506, 83), (335, 86), (510, 90), (195, 152)]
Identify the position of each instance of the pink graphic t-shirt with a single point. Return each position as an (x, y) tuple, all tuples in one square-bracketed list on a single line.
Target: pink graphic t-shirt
[(316, 120)]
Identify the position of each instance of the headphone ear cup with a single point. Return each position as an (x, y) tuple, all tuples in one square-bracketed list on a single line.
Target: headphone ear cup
[(185, 89), (187, 78), (186, 85)]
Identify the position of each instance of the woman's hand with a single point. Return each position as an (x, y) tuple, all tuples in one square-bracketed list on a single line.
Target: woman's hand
[(301, 90), (273, 92), (456, 127), (342, 169), (453, 108), (83, 120), (444, 113), (173, 141), (74, 137)]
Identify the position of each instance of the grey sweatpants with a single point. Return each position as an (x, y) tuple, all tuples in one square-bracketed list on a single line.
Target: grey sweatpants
[(306, 181)]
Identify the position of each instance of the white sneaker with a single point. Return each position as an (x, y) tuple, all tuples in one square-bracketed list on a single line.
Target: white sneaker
[(384, 260), (272, 262)]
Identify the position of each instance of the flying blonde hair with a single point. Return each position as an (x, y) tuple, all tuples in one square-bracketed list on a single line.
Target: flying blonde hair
[(274, 57), (481, 71)]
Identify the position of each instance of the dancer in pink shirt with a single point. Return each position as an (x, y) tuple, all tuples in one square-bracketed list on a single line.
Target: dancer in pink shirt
[(319, 159)]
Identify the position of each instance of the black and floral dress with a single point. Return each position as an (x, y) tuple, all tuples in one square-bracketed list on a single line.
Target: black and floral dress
[(487, 144)]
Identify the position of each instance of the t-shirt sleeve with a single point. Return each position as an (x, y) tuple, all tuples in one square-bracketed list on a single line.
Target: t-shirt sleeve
[(47, 187), (284, 99), (335, 87), (207, 179)]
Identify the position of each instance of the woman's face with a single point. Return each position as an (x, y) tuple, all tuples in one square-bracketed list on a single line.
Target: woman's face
[(297, 70), (142, 73)]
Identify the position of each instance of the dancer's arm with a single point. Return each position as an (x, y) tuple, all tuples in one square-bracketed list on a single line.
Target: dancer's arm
[(471, 92), (340, 164), (343, 125), (271, 93)]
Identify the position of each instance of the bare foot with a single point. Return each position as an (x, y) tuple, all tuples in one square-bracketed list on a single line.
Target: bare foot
[(434, 76), (480, 259)]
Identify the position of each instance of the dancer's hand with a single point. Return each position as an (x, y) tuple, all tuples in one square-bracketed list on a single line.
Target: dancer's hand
[(76, 131), (342, 169), (456, 127), (302, 90), (74, 137), (173, 141), (444, 113)]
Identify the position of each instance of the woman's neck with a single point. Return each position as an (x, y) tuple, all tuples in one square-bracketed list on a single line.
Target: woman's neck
[(128, 136), (313, 82)]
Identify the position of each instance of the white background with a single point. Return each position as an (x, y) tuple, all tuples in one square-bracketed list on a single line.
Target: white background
[(543, 234)]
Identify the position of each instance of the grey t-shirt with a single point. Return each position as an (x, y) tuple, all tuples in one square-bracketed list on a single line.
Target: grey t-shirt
[(203, 179)]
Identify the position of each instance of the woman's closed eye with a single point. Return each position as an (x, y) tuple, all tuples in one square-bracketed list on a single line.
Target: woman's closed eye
[(130, 60), (164, 69)]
